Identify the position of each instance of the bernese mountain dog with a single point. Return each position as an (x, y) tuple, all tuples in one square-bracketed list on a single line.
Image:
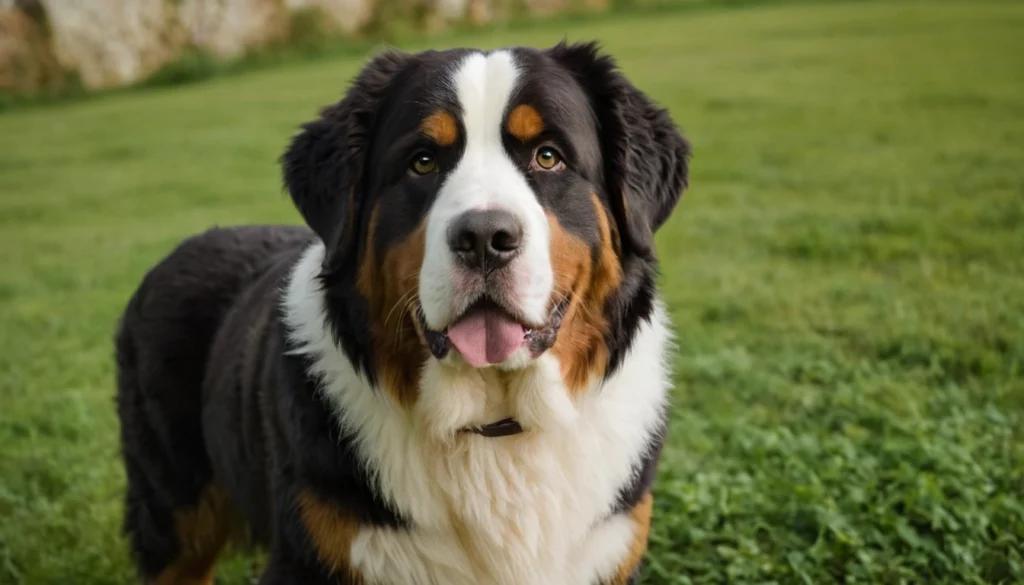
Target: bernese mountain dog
[(454, 373)]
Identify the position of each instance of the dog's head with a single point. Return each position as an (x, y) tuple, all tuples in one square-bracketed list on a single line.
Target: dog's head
[(482, 210)]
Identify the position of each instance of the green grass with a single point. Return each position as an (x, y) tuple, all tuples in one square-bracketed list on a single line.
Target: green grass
[(846, 276)]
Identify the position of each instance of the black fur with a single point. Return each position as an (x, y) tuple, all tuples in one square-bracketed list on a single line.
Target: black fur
[(645, 171), (646, 158), (323, 170), (207, 393)]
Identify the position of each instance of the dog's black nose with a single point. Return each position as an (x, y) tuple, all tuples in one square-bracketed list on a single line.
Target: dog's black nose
[(485, 240)]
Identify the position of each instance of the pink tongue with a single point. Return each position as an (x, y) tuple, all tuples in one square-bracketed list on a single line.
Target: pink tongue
[(486, 337)]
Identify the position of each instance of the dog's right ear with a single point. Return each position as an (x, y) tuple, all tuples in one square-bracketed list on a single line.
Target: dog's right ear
[(324, 164), (645, 154)]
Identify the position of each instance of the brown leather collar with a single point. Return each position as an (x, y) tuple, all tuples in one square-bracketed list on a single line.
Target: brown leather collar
[(502, 428)]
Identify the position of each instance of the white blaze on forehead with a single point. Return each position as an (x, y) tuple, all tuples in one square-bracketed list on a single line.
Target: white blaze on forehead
[(486, 178), (484, 86)]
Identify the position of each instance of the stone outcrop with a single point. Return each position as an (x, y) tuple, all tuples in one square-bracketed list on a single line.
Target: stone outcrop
[(228, 28), (345, 16), (48, 44), (108, 43), (27, 61)]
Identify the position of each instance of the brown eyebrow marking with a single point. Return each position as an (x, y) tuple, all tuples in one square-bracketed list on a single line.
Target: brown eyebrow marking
[(525, 122), (441, 127)]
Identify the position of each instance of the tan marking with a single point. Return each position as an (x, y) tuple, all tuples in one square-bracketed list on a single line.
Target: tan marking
[(580, 346), (525, 122), (609, 271), (641, 517), (331, 533), (202, 532), (441, 127), (390, 286)]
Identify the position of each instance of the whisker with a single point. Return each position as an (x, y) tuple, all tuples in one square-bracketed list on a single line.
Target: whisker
[(396, 305), (581, 307), (407, 308)]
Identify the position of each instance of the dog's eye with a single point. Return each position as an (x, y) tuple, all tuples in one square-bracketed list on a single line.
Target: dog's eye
[(423, 164), (547, 158)]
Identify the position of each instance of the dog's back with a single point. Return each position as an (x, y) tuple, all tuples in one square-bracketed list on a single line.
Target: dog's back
[(163, 342)]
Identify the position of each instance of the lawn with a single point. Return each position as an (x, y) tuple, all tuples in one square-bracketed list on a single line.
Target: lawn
[(846, 276)]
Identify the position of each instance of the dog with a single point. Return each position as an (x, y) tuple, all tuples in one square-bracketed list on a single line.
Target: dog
[(453, 371)]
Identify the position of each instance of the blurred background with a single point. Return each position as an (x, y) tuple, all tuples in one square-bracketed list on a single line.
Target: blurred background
[(846, 273)]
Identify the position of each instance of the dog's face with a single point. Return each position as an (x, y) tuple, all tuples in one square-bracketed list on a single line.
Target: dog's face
[(488, 208)]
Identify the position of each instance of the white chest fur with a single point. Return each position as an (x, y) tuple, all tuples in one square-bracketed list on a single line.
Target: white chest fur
[(532, 509)]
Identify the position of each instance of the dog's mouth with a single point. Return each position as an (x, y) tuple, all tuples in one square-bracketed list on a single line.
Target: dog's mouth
[(487, 334)]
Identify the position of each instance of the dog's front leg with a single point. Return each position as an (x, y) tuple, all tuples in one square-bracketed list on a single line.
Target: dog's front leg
[(312, 540), (286, 568)]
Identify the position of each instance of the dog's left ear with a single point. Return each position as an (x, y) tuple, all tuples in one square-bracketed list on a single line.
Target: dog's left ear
[(325, 162), (646, 157)]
